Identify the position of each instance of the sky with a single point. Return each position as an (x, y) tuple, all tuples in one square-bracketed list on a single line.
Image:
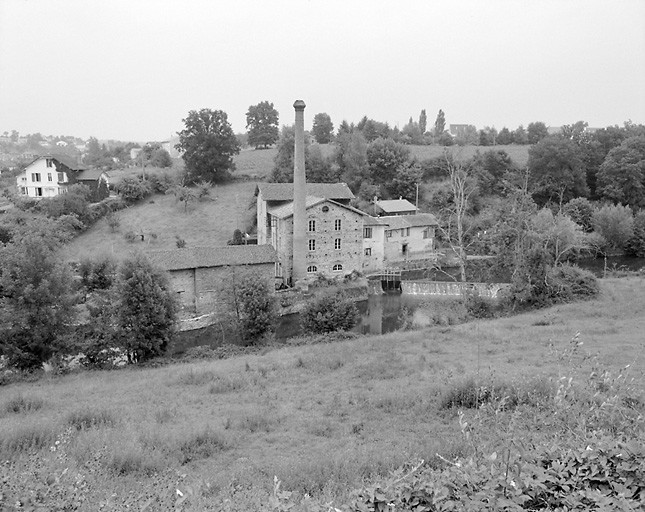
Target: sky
[(133, 69)]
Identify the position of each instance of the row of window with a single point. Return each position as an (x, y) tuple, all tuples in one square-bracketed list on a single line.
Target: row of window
[(312, 244), (311, 269), (312, 225), (35, 176)]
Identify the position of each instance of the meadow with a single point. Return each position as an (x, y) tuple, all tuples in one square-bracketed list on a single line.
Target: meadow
[(324, 418)]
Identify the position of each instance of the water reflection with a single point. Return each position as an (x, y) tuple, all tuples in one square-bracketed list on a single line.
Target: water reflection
[(379, 314)]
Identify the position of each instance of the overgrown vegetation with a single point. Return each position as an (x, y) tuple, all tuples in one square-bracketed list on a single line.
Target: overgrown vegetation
[(329, 313)]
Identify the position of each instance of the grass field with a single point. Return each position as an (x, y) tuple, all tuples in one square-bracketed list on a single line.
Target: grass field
[(325, 418), (209, 223)]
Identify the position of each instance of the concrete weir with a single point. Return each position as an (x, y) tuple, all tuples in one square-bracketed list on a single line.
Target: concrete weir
[(455, 289)]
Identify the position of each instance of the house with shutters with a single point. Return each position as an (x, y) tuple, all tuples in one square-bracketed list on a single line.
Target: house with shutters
[(49, 176)]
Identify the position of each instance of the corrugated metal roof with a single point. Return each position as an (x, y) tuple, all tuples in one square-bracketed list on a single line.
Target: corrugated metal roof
[(204, 257), (396, 205), (284, 191)]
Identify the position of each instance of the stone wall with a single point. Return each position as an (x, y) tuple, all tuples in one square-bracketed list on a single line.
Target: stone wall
[(439, 288)]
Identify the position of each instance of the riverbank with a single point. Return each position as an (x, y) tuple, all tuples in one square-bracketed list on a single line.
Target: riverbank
[(323, 418)]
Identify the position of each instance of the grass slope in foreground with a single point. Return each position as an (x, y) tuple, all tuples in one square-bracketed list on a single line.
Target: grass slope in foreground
[(323, 418)]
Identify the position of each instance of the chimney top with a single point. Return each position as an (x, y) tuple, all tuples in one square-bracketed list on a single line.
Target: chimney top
[(299, 105)]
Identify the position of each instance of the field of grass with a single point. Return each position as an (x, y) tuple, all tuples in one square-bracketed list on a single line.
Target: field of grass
[(160, 218), (324, 418)]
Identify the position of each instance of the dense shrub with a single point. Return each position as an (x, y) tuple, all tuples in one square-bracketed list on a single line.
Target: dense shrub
[(133, 188), (479, 307), (161, 182), (635, 246), (329, 313), (97, 274), (569, 282)]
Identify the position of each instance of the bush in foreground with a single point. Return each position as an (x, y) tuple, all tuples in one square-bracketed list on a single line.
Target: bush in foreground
[(328, 314)]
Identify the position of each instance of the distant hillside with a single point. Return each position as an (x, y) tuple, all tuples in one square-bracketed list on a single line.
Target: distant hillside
[(258, 163)]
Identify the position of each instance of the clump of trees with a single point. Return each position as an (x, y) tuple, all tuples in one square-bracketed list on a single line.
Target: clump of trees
[(262, 125)]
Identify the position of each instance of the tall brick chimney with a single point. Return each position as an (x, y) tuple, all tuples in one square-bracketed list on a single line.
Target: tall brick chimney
[(299, 270)]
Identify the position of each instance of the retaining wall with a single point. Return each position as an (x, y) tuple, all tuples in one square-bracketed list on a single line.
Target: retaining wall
[(488, 290)]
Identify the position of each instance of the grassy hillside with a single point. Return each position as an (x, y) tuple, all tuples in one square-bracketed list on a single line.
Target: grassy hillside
[(323, 418), (161, 219)]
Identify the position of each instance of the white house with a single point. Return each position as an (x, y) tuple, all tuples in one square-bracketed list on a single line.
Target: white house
[(49, 176)]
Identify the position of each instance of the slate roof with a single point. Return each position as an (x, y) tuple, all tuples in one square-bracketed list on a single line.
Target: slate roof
[(286, 210), (68, 162), (205, 257), (410, 221), (284, 191), (373, 221), (89, 175), (396, 205)]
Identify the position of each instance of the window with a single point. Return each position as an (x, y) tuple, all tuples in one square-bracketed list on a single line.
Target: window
[(35, 176), (388, 233), (426, 233), (312, 225), (49, 176), (312, 245), (61, 177), (367, 232), (23, 191), (407, 231), (325, 209), (49, 162), (337, 243), (39, 191), (338, 267), (402, 231), (312, 269), (368, 251), (337, 225)]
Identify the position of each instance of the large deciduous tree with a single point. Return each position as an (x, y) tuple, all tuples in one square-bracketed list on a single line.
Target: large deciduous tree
[(262, 124), (621, 177), (536, 132), (145, 313), (208, 144), (322, 128), (557, 173), (36, 299), (385, 157)]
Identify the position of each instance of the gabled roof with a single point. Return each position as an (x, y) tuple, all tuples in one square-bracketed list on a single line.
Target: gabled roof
[(409, 221), (90, 175), (396, 205), (67, 162), (284, 191), (205, 257), (373, 221), (286, 210)]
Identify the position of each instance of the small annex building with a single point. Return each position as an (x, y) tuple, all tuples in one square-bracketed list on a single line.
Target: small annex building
[(408, 237), (50, 176), (334, 238), (394, 207), (197, 274)]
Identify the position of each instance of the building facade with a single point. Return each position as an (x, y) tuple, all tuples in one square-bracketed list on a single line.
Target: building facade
[(49, 176)]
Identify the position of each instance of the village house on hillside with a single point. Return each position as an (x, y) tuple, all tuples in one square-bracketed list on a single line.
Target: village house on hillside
[(49, 176), (197, 274), (394, 207)]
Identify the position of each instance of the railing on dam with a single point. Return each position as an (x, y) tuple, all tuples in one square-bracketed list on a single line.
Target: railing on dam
[(440, 288)]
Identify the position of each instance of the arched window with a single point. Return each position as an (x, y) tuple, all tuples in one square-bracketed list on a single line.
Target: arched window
[(338, 267), (312, 269)]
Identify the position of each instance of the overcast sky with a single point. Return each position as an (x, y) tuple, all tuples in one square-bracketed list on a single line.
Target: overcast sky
[(132, 69)]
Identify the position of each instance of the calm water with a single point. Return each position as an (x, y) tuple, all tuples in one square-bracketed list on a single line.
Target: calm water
[(377, 315)]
